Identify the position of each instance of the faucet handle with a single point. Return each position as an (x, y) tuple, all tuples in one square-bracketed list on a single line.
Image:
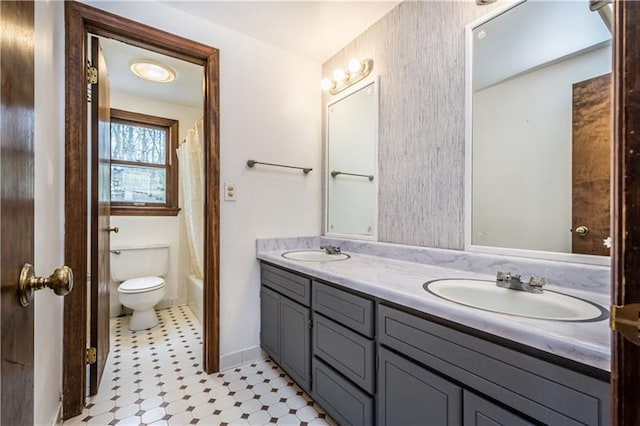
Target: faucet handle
[(507, 276), (503, 276), (536, 281)]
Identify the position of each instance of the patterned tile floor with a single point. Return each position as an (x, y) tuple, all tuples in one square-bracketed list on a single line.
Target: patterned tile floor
[(153, 377)]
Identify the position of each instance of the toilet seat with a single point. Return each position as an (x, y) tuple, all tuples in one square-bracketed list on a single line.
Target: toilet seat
[(141, 285)]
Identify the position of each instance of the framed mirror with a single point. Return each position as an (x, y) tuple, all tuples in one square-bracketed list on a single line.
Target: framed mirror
[(352, 163), (538, 132)]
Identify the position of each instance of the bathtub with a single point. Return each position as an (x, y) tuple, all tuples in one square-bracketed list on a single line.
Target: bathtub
[(195, 296)]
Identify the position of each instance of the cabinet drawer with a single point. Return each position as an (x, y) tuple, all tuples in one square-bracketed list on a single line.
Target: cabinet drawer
[(478, 411), (345, 350), (350, 310), (409, 394), (539, 389), (347, 404), (293, 286)]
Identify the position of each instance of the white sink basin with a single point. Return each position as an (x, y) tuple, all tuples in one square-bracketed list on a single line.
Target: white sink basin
[(314, 256), (486, 295)]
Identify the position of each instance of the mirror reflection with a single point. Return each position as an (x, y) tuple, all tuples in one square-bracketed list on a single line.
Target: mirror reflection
[(352, 194), (540, 129)]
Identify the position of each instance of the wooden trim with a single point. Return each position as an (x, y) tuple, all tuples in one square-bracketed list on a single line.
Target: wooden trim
[(117, 210), (79, 20), (136, 117), (76, 213), (211, 282), (625, 372), (170, 208), (135, 163)]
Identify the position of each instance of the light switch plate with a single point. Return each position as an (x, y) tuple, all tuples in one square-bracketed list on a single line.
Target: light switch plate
[(230, 191)]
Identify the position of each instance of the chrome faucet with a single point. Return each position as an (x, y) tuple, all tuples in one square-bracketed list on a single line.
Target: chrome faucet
[(330, 249), (514, 282)]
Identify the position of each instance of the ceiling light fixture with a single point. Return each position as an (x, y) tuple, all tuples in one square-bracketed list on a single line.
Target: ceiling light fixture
[(151, 70), (356, 71)]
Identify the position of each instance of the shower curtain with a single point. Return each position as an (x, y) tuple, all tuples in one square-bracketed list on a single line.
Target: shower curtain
[(191, 160)]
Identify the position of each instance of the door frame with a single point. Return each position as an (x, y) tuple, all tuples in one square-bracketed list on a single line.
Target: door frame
[(625, 374), (81, 19)]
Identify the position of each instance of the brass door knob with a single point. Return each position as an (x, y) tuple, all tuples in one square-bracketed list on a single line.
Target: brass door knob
[(113, 229), (582, 231), (61, 282)]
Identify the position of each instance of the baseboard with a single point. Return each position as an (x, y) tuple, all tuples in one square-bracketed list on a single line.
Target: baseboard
[(58, 419), (167, 303), (179, 301), (238, 358)]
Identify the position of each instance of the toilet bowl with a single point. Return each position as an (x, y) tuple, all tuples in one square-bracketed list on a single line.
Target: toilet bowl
[(140, 270), (141, 295)]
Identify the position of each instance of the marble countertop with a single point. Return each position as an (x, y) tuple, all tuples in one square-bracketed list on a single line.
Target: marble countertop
[(401, 282)]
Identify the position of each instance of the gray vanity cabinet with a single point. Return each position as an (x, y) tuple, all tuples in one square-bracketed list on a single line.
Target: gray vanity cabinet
[(343, 354), (285, 332), (410, 394), (368, 363), (538, 389)]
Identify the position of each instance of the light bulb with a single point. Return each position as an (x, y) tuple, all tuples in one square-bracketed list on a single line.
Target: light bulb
[(326, 84), (355, 66), (339, 75), (152, 70)]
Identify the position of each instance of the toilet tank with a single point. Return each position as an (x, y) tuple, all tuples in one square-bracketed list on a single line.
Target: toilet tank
[(137, 261)]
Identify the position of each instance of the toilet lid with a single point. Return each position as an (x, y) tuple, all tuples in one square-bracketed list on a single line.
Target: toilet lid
[(139, 285)]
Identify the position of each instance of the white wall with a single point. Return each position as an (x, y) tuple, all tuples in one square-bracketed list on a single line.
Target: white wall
[(522, 127), (169, 230), (49, 204), (269, 111)]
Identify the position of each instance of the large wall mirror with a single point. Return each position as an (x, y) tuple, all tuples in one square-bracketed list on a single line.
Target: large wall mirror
[(352, 163), (539, 132)]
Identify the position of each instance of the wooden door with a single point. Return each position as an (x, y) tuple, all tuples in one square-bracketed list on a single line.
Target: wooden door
[(591, 152), (625, 368), (16, 208), (100, 207)]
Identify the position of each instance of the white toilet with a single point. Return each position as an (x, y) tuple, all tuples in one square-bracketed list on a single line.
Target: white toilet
[(140, 270)]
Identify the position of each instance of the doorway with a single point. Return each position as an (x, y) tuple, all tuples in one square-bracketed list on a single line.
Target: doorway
[(82, 20)]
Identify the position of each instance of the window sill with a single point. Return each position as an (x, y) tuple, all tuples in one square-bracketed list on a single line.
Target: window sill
[(143, 211)]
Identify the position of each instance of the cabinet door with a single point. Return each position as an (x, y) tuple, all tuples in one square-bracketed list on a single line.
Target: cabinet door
[(409, 394), (480, 412), (270, 322), (295, 336)]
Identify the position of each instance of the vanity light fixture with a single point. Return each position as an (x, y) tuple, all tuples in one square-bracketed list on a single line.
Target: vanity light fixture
[(356, 71), (151, 70)]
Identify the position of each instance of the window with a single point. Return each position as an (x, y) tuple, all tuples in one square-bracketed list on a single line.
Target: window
[(144, 165)]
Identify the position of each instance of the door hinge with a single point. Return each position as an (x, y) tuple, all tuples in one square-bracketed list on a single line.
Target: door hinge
[(310, 323), (625, 320), (92, 75), (91, 356)]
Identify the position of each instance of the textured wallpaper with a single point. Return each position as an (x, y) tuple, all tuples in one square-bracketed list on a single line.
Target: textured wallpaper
[(418, 52)]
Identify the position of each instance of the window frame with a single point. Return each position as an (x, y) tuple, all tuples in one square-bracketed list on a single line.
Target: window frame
[(170, 207)]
